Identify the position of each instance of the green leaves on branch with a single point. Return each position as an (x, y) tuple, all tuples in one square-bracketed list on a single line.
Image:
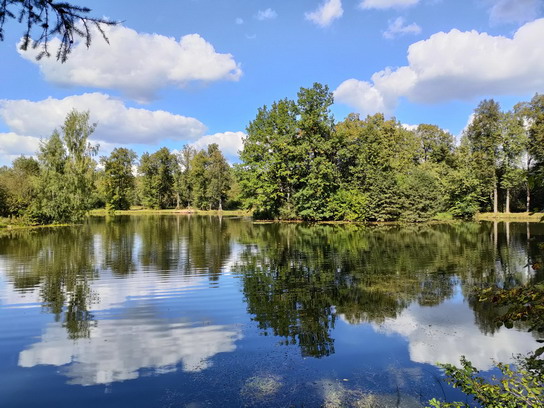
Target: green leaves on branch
[(518, 386)]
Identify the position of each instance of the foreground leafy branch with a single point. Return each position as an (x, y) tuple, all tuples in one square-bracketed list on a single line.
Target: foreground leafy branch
[(518, 386), (45, 19), (522, 383)]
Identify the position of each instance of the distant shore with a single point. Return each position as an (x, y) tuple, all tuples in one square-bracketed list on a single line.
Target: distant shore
[(185, 211), (515, 217)]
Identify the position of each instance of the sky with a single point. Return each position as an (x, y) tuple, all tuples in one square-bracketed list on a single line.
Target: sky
[(179, 72)]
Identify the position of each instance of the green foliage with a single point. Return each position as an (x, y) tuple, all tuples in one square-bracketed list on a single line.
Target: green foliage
[(65, 184), (218, 174), (182, 184), (157, 184), (118, 178), (518, 386), (18, 186)]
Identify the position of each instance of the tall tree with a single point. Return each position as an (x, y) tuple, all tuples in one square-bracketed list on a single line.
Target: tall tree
[(484, 134), (513, 145), (119, 178), (317, 148), (182, 183), (198, 177), (270, 166), (158, 173), (64, 192), (218, 177)]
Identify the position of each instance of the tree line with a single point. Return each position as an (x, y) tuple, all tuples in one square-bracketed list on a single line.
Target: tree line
[(297, 162), (66, 179)]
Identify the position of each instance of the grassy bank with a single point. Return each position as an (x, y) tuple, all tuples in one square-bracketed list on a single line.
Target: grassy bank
[(520, 217), (146, 211)]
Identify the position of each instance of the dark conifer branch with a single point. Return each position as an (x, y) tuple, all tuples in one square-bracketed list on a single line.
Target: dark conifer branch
[(45, 19)]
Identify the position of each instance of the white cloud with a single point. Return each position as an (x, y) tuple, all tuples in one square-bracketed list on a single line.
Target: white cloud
[(117, 123), (444, 333), (515, 11), (326, 13), (13, 145), (239, 20), (267, 14), (385, 4), (139, 65), (455, 65), (230, 143), (398, 28)]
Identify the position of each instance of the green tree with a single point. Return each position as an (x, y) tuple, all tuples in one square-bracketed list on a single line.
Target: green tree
[(198, 178), (19, 185), (317, 178), (119, 178), (436, 144), (218, 175), (270, 169), (514, 144), (182, 183), (532, 116), (65, 185), (484, 135), (158, 173)]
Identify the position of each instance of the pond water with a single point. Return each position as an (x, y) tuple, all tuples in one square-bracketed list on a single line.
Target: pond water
[(187, 311)]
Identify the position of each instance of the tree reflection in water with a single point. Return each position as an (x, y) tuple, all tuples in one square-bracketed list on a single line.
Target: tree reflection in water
[(297, 279)]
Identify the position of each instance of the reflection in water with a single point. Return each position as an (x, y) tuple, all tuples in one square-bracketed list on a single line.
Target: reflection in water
[(145, 293), (298, 278), (118, 349), (447, 332)]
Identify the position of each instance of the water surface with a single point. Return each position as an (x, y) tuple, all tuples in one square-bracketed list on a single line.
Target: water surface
[(176, 311)]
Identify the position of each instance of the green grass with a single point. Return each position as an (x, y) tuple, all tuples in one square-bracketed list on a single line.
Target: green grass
[(147, 211), (524, 216)]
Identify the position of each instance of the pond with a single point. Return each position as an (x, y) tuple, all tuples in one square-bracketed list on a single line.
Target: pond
[(189, 311)]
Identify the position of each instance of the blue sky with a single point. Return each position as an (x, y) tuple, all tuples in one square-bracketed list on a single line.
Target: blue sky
[(196, 71)]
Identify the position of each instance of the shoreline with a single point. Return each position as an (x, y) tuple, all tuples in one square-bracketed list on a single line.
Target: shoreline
[(512, 217)]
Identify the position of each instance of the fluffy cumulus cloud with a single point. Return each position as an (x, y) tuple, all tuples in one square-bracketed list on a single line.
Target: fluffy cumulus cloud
[(385, 4), (454, 65), (398, 27), (230, 143), (13, 145), (326, 13), (515, 11), (117, 123), (138, 65), (267, 14)]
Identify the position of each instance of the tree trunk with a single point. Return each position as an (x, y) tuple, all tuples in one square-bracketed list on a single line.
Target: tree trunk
[(507, 200), (495, 200), (220, 205)]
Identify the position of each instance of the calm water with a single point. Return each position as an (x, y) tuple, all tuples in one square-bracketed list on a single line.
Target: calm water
[(177, 311)]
